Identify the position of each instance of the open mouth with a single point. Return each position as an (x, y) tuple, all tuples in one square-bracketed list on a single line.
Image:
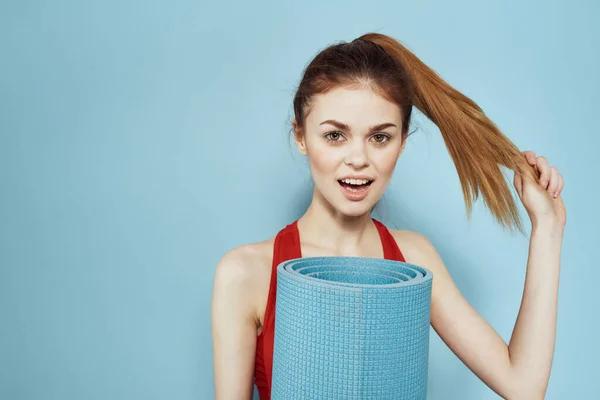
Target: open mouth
[(356, 186)]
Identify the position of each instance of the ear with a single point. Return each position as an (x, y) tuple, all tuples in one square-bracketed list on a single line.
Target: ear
[(299, 138)]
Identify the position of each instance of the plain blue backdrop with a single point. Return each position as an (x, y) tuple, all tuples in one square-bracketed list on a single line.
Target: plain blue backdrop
[(141, 140)]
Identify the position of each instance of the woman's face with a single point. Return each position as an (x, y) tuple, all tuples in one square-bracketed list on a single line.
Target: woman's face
[(352, 139)]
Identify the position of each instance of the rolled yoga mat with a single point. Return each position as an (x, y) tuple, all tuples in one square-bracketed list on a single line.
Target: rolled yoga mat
[(351, 328)]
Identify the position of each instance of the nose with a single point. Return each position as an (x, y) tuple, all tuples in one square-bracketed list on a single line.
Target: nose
[(357, 156)]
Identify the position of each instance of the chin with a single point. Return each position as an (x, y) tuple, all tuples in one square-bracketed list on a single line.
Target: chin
[(354, 209)]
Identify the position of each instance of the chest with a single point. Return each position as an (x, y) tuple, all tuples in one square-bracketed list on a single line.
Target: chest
[(267, 279)]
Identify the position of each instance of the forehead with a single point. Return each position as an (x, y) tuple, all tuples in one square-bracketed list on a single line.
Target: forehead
[(353, 106)]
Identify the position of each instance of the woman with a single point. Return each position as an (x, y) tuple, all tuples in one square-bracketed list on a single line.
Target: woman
[(352, 114)]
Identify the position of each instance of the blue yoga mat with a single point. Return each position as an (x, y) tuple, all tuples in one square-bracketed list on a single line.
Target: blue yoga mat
[(351, 328)]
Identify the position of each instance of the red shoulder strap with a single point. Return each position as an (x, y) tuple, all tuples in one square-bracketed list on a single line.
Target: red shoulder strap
[(286, 247), (287, 244), (391, 251)]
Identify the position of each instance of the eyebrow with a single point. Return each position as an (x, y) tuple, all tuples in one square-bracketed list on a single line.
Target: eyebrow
[(341, 125)]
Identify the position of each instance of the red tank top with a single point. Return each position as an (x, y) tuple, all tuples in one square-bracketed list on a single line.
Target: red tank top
[(287, 247)]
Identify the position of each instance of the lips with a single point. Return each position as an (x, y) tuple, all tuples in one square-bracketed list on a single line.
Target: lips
[(355, 192), (355, 187), (357, 177)]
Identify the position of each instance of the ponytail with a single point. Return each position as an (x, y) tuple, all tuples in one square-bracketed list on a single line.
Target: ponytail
[(476, 145)]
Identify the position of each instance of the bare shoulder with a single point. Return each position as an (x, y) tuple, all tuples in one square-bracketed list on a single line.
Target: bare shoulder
[(418, 250), (234, 321), (245, 270), (413, 245), (244, 261)]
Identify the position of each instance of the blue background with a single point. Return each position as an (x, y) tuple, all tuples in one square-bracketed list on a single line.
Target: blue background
[(141, 140)]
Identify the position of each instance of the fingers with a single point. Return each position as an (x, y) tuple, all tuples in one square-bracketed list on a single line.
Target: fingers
[(561, 184), (530, 156), (545, 171), (554, 182), (549, 176)]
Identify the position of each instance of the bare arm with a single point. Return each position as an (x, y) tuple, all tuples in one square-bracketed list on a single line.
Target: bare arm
[(532, 342), (531, 346), (233, 327), (461, 327), (522, 370)]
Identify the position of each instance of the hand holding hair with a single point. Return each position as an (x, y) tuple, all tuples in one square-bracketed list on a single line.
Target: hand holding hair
[(542, 199)]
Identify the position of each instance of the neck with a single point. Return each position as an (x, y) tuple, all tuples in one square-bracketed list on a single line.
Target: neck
[(325, 227)]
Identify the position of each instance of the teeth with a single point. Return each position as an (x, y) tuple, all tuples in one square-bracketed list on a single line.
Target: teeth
[(355, 181)]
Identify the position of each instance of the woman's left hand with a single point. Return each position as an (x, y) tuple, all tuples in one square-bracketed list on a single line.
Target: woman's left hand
[(541, 210)]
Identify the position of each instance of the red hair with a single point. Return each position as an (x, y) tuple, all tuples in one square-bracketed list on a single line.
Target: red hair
[(477, 147)]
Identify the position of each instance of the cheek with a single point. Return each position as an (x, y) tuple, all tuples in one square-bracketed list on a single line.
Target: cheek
[(324, 160), (386, 162)]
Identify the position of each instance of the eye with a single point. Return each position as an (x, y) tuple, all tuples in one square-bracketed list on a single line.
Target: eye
[(333, 136), (381, 138)]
